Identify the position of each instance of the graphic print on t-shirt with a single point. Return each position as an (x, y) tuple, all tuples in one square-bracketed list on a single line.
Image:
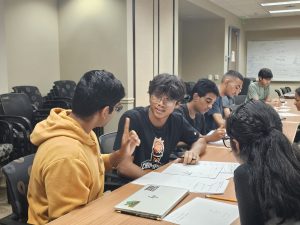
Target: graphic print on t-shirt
[(157, 153)]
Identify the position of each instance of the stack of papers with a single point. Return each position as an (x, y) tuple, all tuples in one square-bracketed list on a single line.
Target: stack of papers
[(202, 212), (205, 177)]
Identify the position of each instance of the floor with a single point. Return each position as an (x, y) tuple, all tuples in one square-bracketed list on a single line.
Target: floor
[(5, 208)]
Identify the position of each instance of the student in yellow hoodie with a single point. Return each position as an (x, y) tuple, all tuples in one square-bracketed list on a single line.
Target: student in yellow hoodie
[(68, 169)]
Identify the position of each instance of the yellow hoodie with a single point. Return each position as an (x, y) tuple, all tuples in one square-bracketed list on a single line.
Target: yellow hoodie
[(68, 169)]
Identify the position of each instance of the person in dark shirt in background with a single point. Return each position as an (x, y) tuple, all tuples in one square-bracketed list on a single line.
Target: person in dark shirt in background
[(202, 97)]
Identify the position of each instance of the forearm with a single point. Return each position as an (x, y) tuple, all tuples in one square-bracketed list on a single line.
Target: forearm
[(129, 169), (199, 146), (219, 120)]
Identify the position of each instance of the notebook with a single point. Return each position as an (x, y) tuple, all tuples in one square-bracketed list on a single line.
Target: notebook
[(152, 201)]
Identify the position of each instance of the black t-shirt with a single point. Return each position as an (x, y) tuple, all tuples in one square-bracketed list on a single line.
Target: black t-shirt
[(156, 143), (249, 208), (198, 123)]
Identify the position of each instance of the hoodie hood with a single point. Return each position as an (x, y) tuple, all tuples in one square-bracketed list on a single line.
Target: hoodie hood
[(59, 123)]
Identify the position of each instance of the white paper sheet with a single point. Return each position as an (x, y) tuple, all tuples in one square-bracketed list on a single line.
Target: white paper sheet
[(205, 169), (283, 114), (202, 212), (193, 184)]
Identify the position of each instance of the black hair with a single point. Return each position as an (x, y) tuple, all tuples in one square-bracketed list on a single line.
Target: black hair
[(274, 163), (203, 87), (169, 85), (298, 91), (234, 74), (95, 90), (265, 73)]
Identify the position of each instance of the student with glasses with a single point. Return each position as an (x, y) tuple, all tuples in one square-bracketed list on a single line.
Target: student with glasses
[(231, 85), (68, 169), (267, 181), (202, 97), (159, 129)]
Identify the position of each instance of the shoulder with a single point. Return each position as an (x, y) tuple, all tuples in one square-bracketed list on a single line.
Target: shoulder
[(242, 173)]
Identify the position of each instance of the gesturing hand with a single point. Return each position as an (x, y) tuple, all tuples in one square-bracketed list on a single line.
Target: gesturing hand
[(130, 140)]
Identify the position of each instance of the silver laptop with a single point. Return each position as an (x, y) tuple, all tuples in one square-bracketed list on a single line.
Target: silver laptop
[(152, 201)]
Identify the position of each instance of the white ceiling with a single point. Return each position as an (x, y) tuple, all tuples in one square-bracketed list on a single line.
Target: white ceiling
[(252, 9)]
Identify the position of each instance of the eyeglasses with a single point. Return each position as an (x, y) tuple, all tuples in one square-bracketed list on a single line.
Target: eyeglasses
[(226, 141), (116, 108), (165, 100)]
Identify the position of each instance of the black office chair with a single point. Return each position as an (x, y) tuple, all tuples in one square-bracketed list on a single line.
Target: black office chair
[(246, 83), (41, 104), (278, 92), (64, 88), (288, 89), (112, 179), (283, 90), (239, 99), (17, 175)]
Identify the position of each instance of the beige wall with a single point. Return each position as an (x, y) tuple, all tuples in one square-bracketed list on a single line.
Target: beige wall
[(230, 20), (32, 43), (273, 35), (92, 35), (272, 23), (202, 48), (3, 69)]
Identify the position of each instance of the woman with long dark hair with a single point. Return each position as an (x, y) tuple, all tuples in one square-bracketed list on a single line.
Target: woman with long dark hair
[(267, 183)]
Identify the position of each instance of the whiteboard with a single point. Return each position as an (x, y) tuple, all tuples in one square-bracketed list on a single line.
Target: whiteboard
[(282, 57)]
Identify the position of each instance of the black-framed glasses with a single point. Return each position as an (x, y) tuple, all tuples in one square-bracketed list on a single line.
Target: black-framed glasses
[(165, 100), (226, 141), (118, 107)]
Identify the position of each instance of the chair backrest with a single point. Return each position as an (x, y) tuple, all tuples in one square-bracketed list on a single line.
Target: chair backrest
[(288, 89), (32, 92), (283, 90), (239, 99), (17, 175), (246, 84), (64, 88), (16, 104), (106, 142), (278, 92)]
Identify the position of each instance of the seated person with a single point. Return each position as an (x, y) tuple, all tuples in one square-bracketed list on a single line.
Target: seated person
[(68, 169), (260, 90), (231, 85), (159, 129), (267, 181), (203, 96), (297, 104), (297, 98), (228, 105)]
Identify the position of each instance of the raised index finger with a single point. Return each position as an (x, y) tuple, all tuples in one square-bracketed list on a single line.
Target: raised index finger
[(126, 127)]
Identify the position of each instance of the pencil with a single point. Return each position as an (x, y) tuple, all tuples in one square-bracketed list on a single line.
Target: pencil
[(221, 198)]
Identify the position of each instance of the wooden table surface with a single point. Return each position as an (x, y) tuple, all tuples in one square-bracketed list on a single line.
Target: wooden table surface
[(101, 211)]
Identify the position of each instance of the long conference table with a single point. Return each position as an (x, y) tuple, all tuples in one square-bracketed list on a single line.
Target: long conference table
[(101, 211)]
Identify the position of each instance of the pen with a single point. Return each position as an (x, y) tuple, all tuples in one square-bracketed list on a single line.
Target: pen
[(221, 198)]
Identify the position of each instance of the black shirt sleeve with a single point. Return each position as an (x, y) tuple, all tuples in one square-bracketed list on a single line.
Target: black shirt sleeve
[(249, 208)]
